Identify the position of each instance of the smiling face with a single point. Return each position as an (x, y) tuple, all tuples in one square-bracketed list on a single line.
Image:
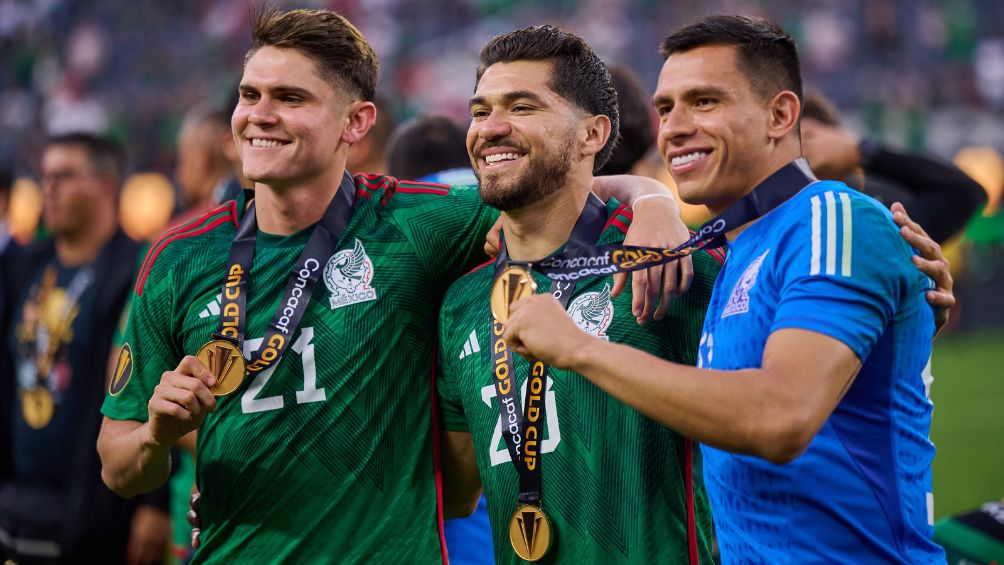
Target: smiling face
[(289, 121), (522, 137), (714, 129)]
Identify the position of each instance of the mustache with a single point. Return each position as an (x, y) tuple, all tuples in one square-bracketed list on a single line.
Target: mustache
[(501, 143)]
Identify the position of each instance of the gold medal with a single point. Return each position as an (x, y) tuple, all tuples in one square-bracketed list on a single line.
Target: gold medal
[(529, 532), (37, 407), (226, 362), (514, 283)]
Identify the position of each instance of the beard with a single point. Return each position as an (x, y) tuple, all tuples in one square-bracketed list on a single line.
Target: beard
[(544, 175)]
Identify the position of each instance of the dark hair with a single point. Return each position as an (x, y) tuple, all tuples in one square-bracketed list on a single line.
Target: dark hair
[(637, 127), (342, 55), (767, 55), (426, 145), (106, 156), (821, 109), (578, 75)]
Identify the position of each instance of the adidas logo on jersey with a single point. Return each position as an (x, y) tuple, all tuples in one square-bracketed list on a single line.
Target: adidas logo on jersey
[(213, 307), (593, 312), (348, 275), (739, 300), (471, 346)]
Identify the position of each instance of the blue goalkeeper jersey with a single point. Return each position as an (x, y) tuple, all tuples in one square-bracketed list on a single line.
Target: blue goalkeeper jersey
[(829, 260)]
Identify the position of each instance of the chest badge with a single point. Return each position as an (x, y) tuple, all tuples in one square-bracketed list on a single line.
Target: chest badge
[(593, 312), (739, 300), (348, 275)]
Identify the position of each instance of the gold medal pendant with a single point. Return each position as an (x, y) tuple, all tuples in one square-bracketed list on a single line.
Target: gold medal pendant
[(37, 407), (529, 532), (514, 283), (226, 362)]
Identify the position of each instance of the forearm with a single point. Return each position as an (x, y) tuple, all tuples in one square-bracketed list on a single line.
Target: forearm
[(461, 481), (131, 462), (733, 410), (629, 188)]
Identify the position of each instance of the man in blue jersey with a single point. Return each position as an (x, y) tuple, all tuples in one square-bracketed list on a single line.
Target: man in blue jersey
[(809, 395)]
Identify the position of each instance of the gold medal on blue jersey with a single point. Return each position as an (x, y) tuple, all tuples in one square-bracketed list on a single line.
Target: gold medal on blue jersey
[(529, 532), (226, 362), (515, 282)]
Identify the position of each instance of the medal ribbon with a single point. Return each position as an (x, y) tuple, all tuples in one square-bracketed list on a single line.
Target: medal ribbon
[(299, 286), (521, 426), (593, 261), (49, 340)]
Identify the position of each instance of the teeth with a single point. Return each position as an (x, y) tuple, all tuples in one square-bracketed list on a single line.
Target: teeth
[(491, 159), (689, 157), (265, 143)]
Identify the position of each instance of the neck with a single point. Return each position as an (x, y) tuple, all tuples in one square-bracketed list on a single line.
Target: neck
[(535, 231), (777, 161), (287, 210), (76, 249)]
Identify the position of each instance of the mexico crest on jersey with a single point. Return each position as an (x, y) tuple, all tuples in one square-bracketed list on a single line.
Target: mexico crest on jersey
[(348, 275), (593, 312), (739, 300)]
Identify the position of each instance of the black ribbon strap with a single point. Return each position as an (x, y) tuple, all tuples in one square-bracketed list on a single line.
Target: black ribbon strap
[(299, 286), (593, 261), (522, 427)]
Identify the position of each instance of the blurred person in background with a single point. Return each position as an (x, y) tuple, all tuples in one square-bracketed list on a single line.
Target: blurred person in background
[(6, 184), (369, 155), (65, 297), (939, 196), (430, 149), (975, 537), (207, 167), (637, 131)]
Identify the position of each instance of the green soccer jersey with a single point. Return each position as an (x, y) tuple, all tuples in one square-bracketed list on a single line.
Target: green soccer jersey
[(327, 456), (613, 483)]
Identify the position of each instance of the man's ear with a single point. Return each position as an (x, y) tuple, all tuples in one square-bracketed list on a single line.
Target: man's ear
[(361, 117), (785, 110), (594, 134)]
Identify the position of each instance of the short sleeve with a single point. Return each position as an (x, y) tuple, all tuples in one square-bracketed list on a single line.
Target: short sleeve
[(148, 349), (847, 273), (449, 229)]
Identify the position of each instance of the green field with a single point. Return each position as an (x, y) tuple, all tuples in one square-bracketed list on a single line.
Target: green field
[(968, 428)]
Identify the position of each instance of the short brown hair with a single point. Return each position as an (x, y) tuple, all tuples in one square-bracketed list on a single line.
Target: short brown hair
[(343, 56)]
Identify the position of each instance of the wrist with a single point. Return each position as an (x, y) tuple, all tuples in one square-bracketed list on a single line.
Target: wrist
[(664, 198)]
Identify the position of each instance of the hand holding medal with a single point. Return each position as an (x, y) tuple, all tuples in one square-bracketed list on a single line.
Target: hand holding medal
[(181, 401)]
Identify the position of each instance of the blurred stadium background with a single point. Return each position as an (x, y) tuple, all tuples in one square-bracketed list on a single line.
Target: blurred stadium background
[(926, 75)]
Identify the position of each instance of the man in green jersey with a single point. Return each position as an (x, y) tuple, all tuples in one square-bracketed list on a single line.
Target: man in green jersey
[(328, 454), (614, 486)]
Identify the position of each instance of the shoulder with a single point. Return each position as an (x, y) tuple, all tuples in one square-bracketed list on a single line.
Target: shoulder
[(174, 245), (387, 192), (470, 288)]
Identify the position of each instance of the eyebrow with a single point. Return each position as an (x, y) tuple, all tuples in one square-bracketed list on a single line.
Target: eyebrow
[(281, 89), (690, 94), (509, 97)]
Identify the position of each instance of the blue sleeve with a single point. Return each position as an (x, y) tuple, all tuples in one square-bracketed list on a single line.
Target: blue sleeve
[(846, 272)]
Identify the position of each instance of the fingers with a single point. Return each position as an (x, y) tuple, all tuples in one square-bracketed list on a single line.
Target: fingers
[(641, 302), (492, 239), (620, 281), (191, 366), (193, 518)]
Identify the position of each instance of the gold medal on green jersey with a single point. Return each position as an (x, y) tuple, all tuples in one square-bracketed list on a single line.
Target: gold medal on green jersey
[(226, 362), (514, 283), (37, 406), (529, 532)]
